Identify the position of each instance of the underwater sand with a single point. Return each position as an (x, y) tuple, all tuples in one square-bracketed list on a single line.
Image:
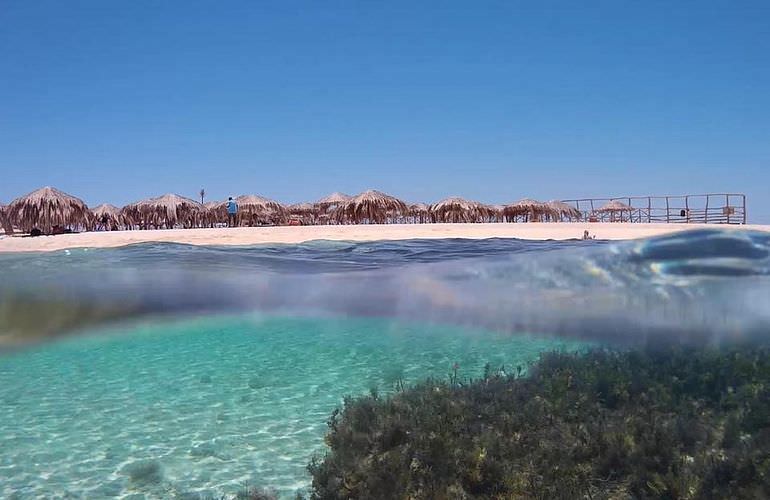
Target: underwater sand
[(210, 406)]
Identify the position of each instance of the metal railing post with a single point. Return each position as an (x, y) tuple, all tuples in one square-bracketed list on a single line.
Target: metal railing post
[(744, 208), (649, 209)]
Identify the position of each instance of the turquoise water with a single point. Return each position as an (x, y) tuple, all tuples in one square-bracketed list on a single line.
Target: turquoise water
[(209, 406), (240, 396)]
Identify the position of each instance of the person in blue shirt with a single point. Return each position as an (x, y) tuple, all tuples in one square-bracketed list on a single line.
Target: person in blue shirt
[(232, 212)]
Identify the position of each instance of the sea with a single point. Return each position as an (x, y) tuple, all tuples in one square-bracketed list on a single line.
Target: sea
[(175, 371)]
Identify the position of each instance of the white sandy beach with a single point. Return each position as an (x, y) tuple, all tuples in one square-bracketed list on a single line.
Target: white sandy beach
[(293, 234)]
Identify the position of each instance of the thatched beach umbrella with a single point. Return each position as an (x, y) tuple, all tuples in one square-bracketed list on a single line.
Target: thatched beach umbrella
[(616, 209), (497, 213), (459, 210), (164, 211), (258, 203), (334, 200), (528, 209), (5, 223), (371, 207), (564, 210), (615, 206), (419, 213), (211, 215), (48, 207), (306, 213), (108, 216), (254, 210)]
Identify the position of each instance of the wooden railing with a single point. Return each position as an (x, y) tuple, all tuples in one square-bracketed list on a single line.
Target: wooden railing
[(713, 208)]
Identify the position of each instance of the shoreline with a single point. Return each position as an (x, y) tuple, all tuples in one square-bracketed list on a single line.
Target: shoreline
[(246, 236)]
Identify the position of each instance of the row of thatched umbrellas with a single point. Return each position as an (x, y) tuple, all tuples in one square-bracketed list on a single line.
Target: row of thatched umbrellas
[(49, 210)]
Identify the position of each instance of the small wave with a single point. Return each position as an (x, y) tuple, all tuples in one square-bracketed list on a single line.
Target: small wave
[(699, 285)]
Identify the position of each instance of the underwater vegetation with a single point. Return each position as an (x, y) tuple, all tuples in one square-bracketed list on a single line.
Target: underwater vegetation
[(256, 494), (663, 422)]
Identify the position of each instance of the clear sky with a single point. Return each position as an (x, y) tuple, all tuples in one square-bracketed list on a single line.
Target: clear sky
[(495, 101)]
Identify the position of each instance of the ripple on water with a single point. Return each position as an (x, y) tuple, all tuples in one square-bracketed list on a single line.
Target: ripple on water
[(209, 406)]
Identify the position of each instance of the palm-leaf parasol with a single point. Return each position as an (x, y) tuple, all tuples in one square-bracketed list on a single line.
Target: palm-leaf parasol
[(48, 207), (527, 208), (616, 209), (108, 216), (460, 210), (166, 211), (332, 201), (419, 212), (5, 223), (372, 207), (255, 210), (564, 210), (615, 206), (306, 213)]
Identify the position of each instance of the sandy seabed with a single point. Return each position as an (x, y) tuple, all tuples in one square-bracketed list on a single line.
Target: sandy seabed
[(294, 234)]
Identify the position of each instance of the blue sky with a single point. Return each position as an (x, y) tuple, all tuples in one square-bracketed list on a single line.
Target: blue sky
[(117, 101)]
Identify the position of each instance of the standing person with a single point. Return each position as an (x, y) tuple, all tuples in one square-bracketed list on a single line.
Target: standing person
[(232, 212)]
